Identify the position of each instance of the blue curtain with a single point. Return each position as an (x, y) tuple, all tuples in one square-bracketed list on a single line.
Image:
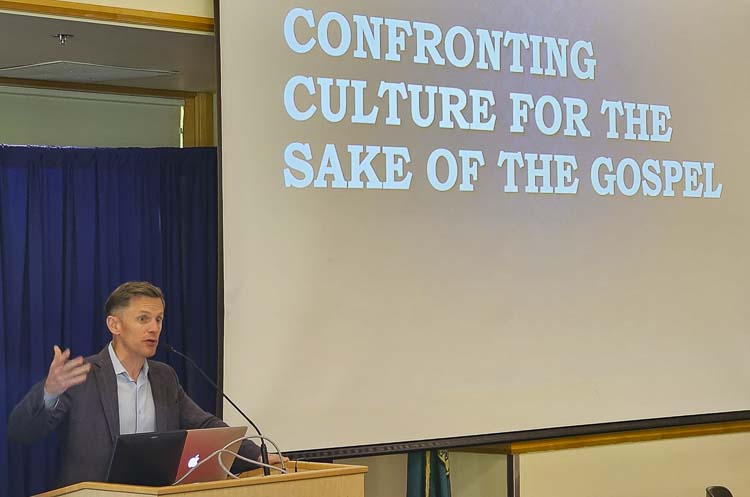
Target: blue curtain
[(75, 223)]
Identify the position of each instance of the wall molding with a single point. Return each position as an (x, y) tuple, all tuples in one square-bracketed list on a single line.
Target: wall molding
[(576, 442), (106, 13), (97, 88)]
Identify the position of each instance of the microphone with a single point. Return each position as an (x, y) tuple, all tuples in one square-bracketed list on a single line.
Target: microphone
[(263, 447)]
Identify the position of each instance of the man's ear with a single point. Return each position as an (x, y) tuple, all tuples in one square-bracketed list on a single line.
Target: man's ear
[(113, 323)]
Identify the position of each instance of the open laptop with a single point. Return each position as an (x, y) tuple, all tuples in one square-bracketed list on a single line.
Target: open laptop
[(160, 459), (200, 444), (146, 458)]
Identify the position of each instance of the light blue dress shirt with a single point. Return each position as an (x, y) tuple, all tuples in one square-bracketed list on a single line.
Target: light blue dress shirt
[(134, 398)]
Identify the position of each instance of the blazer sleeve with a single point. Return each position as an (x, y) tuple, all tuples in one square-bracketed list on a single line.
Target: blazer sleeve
[(30, 421)]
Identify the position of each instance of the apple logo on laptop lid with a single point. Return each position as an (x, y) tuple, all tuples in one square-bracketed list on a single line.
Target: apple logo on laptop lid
[(193, 461)]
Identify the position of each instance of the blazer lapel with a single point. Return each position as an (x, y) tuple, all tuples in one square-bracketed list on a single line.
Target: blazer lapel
[(106, 383), (161, 401)]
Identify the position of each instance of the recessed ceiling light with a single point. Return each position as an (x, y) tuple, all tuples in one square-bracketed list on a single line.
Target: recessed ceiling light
[(63, 37)]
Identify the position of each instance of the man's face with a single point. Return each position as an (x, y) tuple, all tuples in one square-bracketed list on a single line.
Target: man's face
[(138, 327)]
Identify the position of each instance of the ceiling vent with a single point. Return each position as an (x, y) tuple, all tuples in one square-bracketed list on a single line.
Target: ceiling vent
[(79, 72)]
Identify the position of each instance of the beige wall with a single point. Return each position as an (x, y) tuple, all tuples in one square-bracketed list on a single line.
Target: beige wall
[(64, 118), (667, 468), (199, 8), (386, 475), (477, 475)]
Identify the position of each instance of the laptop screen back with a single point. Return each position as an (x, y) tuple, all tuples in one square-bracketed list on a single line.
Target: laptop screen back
[(199, 444), (146, 458)]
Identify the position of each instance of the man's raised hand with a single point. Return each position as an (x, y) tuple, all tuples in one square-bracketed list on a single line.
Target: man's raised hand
[(65, 372)]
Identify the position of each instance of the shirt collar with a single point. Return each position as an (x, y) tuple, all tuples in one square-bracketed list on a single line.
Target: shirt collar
[(119, 368)]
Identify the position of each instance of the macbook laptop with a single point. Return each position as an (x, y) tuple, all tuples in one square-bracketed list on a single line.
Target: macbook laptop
[(146, 458), (160, 459), (199, 444)]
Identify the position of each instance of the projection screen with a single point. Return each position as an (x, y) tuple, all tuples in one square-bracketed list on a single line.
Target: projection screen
[(456, 218)]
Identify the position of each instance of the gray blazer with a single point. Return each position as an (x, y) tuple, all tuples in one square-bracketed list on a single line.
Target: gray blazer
[(87, 418)]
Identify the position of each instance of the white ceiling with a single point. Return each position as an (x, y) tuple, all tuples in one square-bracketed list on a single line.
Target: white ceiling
[(26, 40)]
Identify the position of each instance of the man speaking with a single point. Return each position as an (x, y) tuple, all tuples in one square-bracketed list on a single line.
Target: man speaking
[(115, 392)]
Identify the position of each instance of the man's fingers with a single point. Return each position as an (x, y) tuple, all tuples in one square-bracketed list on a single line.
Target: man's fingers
[(75, 380), (63, 365), (58, 355), (82, 369), (65, 373), (72, 364), (75, 377)]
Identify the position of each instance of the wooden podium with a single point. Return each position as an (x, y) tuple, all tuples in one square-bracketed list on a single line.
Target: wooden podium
[(310, 480)]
